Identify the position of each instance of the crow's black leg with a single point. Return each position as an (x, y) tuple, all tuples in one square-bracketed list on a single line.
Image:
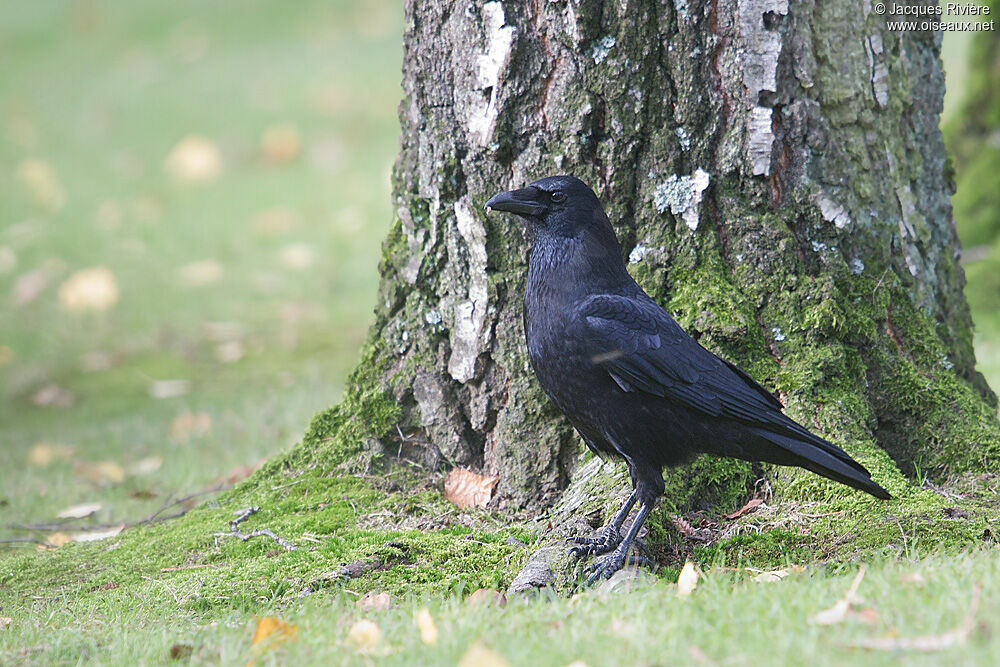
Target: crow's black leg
[(609, 537), (614, 561)]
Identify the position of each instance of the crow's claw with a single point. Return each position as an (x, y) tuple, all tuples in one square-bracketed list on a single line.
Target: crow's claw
[(604, 568), (607, 540)]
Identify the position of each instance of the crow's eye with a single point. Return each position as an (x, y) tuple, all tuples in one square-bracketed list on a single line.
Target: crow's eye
[(558, 196)]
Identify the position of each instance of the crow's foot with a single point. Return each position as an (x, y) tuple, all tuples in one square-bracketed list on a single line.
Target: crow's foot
[(604, 568), (605, 541)]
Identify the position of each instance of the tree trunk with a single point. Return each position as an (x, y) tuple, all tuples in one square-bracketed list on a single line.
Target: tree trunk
[(776, 177)]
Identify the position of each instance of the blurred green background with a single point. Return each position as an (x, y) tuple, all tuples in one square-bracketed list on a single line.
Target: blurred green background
[(191, 204)]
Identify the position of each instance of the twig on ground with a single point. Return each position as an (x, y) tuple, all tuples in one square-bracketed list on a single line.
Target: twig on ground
[(155, 517), (242, 516)]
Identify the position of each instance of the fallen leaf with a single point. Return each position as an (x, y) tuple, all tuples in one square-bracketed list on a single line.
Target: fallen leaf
[(928, 643), (39, 179), (56, 540), (280, 143), (199, 274), (194, 159), (95, 535), (838, 612), (365, 634), (230, 352), (190, 424), (274, 221), (8, 260), (274, 631), (751, 505), (161, 389), (241, 472), (102, 472), (297, 256), (93, 289), (912, 578), (428, 631), (375, 601), (96, 360), (465, 488), (52, 395), (81, 511), (698, 655), (770, 577), (478, 655), (109, 215), (688, 580), (146, 466), (29, 286), (43, 454), (181, 651), (141, 494), (487, 596), (5, 622)]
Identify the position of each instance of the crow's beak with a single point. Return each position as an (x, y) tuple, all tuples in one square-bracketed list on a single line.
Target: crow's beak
[(522, 202)]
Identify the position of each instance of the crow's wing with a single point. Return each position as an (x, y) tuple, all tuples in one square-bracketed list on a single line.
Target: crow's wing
[(644, 349)]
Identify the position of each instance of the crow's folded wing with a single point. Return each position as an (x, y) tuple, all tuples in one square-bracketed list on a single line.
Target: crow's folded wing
[(644, 349)]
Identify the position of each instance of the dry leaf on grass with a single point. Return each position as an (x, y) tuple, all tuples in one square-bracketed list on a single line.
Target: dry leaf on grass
[(195, 159), (181, 652), (96, 535), (146, 466), (770, 577), (375, 601), (838, 612), (55, 540), (229, 352), (270, 632), (928, 643), (8, 260), (29, 286), (161, 389), (687, 581), (487, 596), (81, 511), (190, 424), (43, 454), (42, 184), (102, 472), (93, 289), (280, 143), (365, 634), (297, 256), (428, 631), (5, 622), (465, 488), (479, 656), (199, 274), (751, 505), (274, 221), (53, 396)]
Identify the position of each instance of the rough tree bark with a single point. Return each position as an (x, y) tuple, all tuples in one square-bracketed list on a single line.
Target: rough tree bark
[(777, 179)]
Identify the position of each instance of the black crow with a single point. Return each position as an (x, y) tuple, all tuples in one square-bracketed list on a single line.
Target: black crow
[(632, 382)]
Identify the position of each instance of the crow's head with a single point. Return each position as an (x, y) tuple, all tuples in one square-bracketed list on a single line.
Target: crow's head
[(554, 206)]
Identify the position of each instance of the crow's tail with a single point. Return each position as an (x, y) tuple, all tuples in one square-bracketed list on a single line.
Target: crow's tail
[(821, 457)]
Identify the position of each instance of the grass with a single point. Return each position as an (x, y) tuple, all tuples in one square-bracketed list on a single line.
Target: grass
[(729, 618), (264, 338)]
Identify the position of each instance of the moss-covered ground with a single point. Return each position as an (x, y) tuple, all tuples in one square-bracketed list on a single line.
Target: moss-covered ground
[(358, 523)]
